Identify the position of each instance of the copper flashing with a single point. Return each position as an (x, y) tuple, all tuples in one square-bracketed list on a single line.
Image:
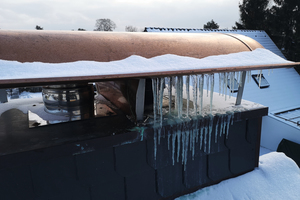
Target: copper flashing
[(69, 46)]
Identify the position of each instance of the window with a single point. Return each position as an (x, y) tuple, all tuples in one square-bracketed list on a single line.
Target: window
[(263, 83), (290, 115)]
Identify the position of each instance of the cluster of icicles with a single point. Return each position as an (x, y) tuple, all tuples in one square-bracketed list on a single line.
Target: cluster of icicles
[(187, 124)]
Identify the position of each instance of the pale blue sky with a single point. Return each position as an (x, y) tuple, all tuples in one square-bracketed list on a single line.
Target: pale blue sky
[(74, 14)]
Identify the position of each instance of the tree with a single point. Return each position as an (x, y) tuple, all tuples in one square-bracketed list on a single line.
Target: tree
[(131, 28), (253, 15), (211, 25), (81, 29), (281, 20), (37, 27), (284, 24), (104, 25)]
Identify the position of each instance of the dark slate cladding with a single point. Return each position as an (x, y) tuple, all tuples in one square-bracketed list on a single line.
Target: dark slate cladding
[(122, 166)]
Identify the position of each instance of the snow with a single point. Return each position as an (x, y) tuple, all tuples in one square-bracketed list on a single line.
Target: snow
[(135, 64), (276, 178)]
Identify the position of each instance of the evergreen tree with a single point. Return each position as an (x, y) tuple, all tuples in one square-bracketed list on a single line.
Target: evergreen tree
[(253, 15), (211, 25), (284, 25)]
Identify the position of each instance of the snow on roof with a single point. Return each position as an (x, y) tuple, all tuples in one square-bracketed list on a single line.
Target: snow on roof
[(277, 177), (135, 64)]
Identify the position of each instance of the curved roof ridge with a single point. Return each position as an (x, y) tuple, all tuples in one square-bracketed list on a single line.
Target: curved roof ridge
[(201, 29)]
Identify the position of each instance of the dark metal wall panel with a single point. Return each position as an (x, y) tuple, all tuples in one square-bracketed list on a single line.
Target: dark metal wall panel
[(122, 166)]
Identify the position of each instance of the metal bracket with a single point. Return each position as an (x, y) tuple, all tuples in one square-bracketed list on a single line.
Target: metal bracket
[(140, 100)]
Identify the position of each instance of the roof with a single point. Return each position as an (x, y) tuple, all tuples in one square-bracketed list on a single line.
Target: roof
[(281, 95), (259, 35)]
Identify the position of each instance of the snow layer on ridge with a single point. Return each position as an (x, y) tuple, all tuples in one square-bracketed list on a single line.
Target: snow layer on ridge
[(276, 178), (135, 64)]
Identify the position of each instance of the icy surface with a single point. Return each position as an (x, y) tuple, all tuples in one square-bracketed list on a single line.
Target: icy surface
[(276, 178), (135, 64)]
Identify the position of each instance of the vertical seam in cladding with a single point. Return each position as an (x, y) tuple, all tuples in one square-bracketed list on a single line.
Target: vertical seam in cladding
[(239, 40)]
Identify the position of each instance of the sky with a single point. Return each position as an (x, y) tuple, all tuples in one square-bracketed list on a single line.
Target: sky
[(74, 14)]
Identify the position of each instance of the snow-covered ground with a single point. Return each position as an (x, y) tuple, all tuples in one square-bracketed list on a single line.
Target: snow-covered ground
[(276, 178)]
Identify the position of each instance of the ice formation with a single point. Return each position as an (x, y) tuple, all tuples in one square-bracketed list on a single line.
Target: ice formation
[(190, 121)]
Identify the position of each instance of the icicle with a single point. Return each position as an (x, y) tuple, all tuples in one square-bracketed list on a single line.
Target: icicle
[(238, 76), (195, 88), (220, 80), (231, 84), (212, 83), (205, 138), (201, 133), (154, 90), (197, 129), (217, 128), (194, 136), (179, 95), (248, 76), (154, 98), (170, 94), (211, 121), (207, 84), (223, 84), (226, 83), (178, 140), (222, 125), (187, 136), (176, 94), (173, 144), (201, 83), (187, 85), (161, 94), (183, 138), (229, 115)]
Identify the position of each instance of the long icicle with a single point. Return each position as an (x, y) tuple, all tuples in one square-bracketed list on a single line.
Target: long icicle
[(212, 83), (201, 83), (161, 94), (187, 84), (170, 94), (207, 84), (154, 89), (195, 94)]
